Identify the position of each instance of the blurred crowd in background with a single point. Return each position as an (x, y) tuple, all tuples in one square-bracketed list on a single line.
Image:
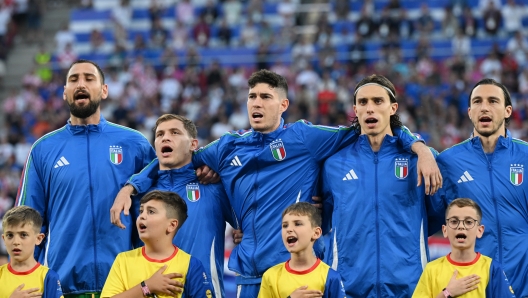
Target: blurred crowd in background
[(322, 65)]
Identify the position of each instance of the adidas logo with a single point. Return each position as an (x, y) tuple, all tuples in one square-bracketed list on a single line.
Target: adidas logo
[(61, 163), (236, 162), (466, 177), (351, 175)]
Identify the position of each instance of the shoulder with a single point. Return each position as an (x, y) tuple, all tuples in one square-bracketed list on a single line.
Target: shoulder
[(522, 145), (126, 132), (49, 138), (454, 150), (274, 270)]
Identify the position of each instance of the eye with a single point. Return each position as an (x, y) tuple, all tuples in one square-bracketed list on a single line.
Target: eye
[(453, 221), (378, 101), (469, 222), (298, 224), (24, 235), (284, 226)]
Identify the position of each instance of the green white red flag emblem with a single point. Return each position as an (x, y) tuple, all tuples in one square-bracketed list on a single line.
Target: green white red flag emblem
[(277, 150), (401, 168), (516, 174), (116, 154), (193, 192)]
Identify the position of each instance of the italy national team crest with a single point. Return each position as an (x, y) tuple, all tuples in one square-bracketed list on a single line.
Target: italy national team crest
[(193, 192), (516, 174), (278, 150), (401, 168), (116, 154)]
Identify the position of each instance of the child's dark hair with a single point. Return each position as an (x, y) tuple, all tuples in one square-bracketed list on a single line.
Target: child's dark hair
[(303, 208), (465, 202), (174, 204), (22, 215)]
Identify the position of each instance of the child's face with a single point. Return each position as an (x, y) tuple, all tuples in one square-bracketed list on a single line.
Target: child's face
[(152, 222), (462, 237), (20, 241), (298, 233)]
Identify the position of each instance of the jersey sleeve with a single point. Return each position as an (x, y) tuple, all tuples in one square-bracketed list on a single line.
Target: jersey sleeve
[(334, 286), (31, 192), (498, 284), (424, 287), (196, 282), (323, 141), (143, 180), (114, 281), (52, 287), (266, 287), (406, 138), (209, 155)]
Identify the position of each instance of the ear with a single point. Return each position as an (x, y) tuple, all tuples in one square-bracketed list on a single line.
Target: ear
[(444, 231), (104, 91), (173, 226), (317, 232), (469, 113), (394, 108), (194, 144), (480, 231), (509, 111), (40, 237), (64, 93), (355, 110), (285, 103)]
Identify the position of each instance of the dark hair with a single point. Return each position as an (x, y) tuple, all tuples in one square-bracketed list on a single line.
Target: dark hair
[(187, 123), (269, 77), (101, 74), (174, 204), (395, 121), (22, 215), (465, 202), (304, 208), (507, 97)]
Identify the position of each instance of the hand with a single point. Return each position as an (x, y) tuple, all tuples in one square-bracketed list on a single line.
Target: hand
[(18, 293), (164, 283), (303, 292), (427, 168), (318, 202), (122, 202), (206, 175), (462, 285), (237, 236)]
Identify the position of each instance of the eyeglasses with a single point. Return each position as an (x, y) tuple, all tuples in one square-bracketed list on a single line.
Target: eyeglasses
[(454, 222)]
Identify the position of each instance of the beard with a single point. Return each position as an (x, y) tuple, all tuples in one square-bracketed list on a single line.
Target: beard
[(85, 111)]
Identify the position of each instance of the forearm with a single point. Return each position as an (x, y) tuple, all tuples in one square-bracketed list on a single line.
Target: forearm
[(420, 148), (135, 292)]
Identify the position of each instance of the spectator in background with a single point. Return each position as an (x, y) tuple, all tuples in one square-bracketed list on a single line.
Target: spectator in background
[(97, 41), (424, 24), (122, 14), (461, 44), (232, 10), (185, 12), (406, 29), (469, 23), (512, 14), (156, 10), (180, 35), (491, 67), (365, 25), (158, 35), (210, 12), (201, 32), (254, 10), (249, 35), (63, 37), (518, 47), (224, 33), (35, 11), (286, 10), (450, 23), (67, 56), (492, 18)]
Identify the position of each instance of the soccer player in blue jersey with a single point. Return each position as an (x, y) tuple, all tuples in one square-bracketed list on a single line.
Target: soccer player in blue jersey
[(489, 169), (303, 275), (158, 267), (463, 271), (208, 205), (23, 276), (266, 169), (71, 177)]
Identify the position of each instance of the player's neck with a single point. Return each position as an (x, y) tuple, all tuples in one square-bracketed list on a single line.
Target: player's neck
[(376, 140), (93, 119), (159, 250), (488, 142), (302, 260), (463, 255), (23, 266)]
